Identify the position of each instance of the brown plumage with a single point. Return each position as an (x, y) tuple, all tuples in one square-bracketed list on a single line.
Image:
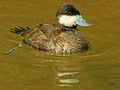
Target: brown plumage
[(55, 38)]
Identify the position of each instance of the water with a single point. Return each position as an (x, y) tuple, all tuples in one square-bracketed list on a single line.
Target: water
[(29, 69)]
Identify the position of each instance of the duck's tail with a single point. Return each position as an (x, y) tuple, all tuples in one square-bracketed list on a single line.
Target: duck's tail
[(20, 30)]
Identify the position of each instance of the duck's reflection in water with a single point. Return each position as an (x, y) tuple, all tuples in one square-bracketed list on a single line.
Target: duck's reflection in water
[(63, 72), (67, 72), (67, 81)]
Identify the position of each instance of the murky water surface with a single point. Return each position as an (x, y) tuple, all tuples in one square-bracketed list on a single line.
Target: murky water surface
[(29, 69)]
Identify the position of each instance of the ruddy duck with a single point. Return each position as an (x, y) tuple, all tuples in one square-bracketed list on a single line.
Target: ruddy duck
[(63, 37)]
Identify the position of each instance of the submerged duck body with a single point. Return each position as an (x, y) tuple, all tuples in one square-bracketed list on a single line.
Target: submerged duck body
[(63, 37)]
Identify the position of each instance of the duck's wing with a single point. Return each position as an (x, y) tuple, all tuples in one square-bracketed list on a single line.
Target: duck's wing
[(36, 38), (39, 36)]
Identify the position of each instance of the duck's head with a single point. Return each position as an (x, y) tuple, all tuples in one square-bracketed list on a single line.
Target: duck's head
[(68, 16)]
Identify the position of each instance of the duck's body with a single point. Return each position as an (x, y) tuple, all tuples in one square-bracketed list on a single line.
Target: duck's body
[(56, 38)]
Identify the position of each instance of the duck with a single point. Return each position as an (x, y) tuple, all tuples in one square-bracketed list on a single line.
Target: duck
[(61, 37)]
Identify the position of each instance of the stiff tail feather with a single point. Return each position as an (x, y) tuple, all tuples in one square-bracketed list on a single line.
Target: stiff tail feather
[(20, 30)]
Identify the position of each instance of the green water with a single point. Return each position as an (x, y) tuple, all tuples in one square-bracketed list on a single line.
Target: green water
[(29, 69)]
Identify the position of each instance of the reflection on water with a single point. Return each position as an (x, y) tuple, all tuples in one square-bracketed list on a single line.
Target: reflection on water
[(60, 74), (70, 79), (68, 82), (66, 72)]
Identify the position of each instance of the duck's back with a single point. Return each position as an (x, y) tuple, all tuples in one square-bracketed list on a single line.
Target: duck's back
[(56, 39)]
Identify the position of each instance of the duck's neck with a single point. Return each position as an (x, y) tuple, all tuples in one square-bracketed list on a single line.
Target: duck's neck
[(65, 28), (73, 27)]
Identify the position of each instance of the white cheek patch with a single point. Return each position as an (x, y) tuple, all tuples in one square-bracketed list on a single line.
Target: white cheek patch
[(68, 21)]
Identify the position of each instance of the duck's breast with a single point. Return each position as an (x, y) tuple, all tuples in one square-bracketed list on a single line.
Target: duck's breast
[(68, 42)]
